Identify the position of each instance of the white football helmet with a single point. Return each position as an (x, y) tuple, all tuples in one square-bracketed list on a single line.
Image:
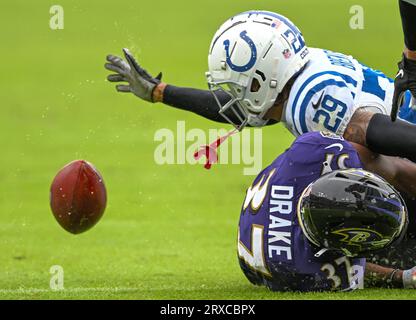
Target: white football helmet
[(252, 57)]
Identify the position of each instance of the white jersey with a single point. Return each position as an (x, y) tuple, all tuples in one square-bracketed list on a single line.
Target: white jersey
[(331, 88)]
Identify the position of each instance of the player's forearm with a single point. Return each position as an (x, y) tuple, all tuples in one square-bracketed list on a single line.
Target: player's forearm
[(379, 134), (201, 102), (391, 138), (379, 276), (408, 14)]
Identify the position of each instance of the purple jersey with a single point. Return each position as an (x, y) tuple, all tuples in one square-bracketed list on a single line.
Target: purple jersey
[(272, 248)]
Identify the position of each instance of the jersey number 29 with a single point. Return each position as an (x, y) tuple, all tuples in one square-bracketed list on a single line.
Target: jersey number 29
[(331, 109)]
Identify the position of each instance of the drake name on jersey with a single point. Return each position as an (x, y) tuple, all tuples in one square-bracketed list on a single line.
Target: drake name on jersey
[(332, 87), (271, 244)]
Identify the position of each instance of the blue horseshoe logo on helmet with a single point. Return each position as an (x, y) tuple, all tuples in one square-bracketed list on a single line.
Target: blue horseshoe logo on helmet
[(253, 57)]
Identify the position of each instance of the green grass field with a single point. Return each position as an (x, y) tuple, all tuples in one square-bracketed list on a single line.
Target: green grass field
[(169, 232)]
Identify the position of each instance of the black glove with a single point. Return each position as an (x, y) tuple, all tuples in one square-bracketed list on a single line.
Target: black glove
[(405, 80), (140, 82)]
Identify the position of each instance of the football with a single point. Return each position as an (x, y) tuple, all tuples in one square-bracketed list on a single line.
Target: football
[(78, 196)]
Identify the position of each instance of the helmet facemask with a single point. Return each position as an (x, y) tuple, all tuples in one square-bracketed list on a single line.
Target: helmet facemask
[(239, 103)]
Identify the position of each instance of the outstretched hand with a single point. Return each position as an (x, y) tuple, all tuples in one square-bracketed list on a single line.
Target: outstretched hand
[(139, 81)]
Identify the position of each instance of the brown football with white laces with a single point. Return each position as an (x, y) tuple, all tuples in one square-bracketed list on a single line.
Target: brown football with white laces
[(78, 196)]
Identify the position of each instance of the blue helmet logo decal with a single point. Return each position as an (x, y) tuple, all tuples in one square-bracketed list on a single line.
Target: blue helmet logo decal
[(253, 57)]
